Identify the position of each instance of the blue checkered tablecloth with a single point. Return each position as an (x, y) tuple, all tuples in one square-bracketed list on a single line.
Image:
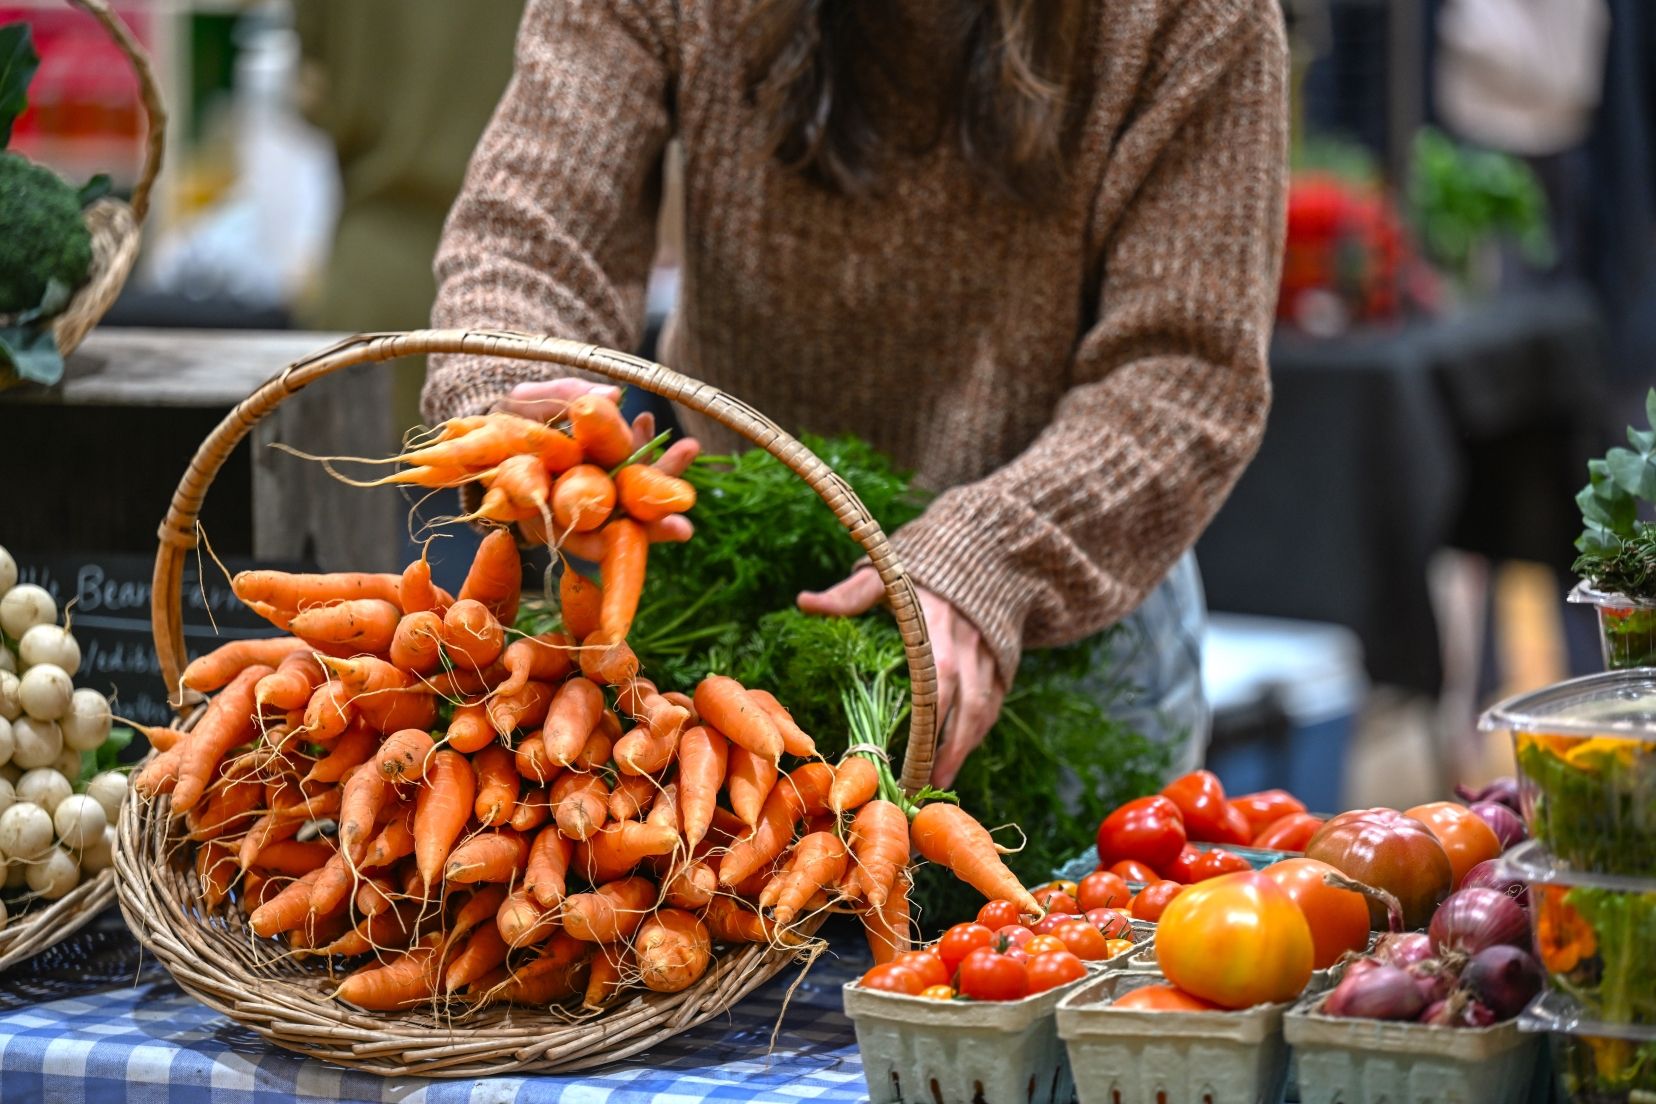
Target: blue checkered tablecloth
[(137, 1039)]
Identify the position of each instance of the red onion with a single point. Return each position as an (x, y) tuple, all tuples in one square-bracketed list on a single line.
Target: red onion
[(1502, 790), (1404, 949), (1441, 1013), (1381, 992), (1487, 875), (1433, 980), (1478, 1014), (1506, 825), (1504, 978), (1473, 919)]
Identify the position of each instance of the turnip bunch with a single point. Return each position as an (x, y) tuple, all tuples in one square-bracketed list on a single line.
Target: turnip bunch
[(57, 812)]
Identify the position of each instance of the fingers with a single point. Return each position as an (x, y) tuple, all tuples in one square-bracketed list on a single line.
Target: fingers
[(940, 618), (545, 400), (672, 529), (678, 455), (978, 698), (857, 594), (643, 428)]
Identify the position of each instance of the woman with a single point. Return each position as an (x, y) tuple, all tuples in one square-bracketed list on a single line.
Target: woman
[(1027, 247)]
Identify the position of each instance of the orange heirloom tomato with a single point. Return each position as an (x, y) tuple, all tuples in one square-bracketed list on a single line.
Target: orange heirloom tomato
[(1162, 998), (893, 978), (1053, 969), (1084, 941), (1061, 885), (1118, 947), (1153, 899), (928, 964), (1043, 944), (938, 992), (1466, 839), (1237, 940), (1339, 918), (1102, 889), (1265, 808)]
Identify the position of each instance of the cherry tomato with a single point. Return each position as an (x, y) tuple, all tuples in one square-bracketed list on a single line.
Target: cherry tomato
[(1149, 829), (927, 964), (1201, 802), (1290, 833), (1051, 920), (1053, 969), (892, 977), (1153, 898), (1062, 885), (985, 975), (960, 941), (1043, 944), (1118, 946), (1131, 870), (1339, 918), (1016, 954), (1084, 941), (938, 992), (1114, 923), (1102, 889), (1237, 940), (1179, 869), (1056, 900), (1466, 839), (1013, 935), (1265, 808), (1162, 998), (1217, 862), (997, 914)]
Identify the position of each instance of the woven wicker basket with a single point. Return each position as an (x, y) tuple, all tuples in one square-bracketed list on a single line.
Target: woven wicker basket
[(115, 224), (214, 956)]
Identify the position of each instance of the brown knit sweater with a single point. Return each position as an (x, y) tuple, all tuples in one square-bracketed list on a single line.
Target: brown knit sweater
[(1084, 384)]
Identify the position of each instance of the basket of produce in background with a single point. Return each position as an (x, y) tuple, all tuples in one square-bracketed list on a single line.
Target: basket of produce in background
[(68, 248), (408, 840), (60, 794), (1617, 561)]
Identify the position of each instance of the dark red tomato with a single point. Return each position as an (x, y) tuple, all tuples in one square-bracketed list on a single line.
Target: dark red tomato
[(1149, 829), (1154, 898), (1055, 968), (1217, 862), (960, 941), (1102, 889), (997, 914), (1056, 900), (1083, 940), (928, 964), (1235, 830), (985, 975), (1114, 923), (1131, 870), (1291, 833), (1265, 808), (1179, 869), (1013, 935), (893, 977), (1051, 920), (1201, 802)]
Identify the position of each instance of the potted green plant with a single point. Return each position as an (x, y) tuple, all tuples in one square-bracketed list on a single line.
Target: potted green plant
[(1617, 561)]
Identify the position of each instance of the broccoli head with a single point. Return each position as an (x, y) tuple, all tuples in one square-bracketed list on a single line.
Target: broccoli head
[(42, 234)]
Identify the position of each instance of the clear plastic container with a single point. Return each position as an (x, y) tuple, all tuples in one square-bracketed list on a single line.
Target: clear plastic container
[(1595, 935), (1586, 752), (1597, 1062), (1627, 627)]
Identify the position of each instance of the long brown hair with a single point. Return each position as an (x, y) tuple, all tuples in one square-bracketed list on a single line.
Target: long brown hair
[(1007, 97)]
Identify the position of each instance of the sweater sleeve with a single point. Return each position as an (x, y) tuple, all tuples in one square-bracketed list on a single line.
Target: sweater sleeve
[(1171, 384), (554, 228)]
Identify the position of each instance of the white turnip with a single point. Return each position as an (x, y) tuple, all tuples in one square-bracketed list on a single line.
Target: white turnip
[(79, 821), (10, 707), (25, 831), (7, 741), (86, 724), (8, 579), (8, 794), (44, 787), (108, 789), (8, 662), (45, 691), (68, 763), (54, 875), (35, 743), (101, 854), (24, 607), (50, 644)]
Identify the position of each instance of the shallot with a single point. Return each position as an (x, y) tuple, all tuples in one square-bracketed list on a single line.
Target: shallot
[(1382, 992)]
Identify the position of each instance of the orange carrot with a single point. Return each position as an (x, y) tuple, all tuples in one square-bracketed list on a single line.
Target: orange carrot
[(610, 966), (359, 624), (596, 423), (691, 886), (795, 741), (404, 754), (534, 808), (495, 579), (724, 704), (484, 950), (642, 752), (803, 788), (549, 858), (289, 591), (684, 702), (615, 849), (807, 787), (397, 709), (607, 660), (487, 857), (570, 718), (729, 920), (631, 796), (614, 911), (441, 811), (365, 675), (359, 806), (471, 634), (580, 804), (417, 644), (486, 445), (407, 980), (599, 743), (230, 806), (887, 928), (626, 552), (268, 829), (469, 729), (227, 723), (328, 713), (880, 845), (287, 910), (856, 780), (215, 669), (546, 658), (582, 499), (415, 591), (382, 929), (521, 920), (673, 950), (395, 840), (497, 785), (948, 835), (291, 685), (294, 858), (580, 600), (373, 897), (332, 885), (461, 683), (524, 481), (748, 781), (160, 738), (281, 618), (664, 814), (649, 494), (549, 977), (215, 870), (702, 760), (478, 909), (351, 749), (523, 708), (531, 761)]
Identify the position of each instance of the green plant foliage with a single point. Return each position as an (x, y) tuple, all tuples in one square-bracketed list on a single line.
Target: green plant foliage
[(1617, 548), (1461, 197), (18, 62)]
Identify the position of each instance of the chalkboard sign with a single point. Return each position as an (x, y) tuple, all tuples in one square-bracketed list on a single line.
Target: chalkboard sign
[(107, 598)]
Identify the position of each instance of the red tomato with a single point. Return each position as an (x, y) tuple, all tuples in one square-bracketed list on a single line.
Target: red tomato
[(1153, 899), (1043, 944), (1237, 940), (1084, 941), (1339, 918), (1235, 830), (1265, 808), (1179, 870), (985, 975), (893, 977), (1291, 833), (1056, 900), (1162, 998), (1114, 923), (997, 914), (1217, 862), (1062, 885), (1201, 802), (1131, 870), (1149, 829), (960, 941), (1053, 969), (1466, 839), (928, 964), (1051, 920), (1013, 935), (1102, 889)]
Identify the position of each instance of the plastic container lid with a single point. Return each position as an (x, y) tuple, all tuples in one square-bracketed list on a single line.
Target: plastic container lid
[(1553, 1011), (1607, 704), (1585, 594), (1531, 862)]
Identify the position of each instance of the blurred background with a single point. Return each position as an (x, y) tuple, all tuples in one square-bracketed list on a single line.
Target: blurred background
[(1468, 313)]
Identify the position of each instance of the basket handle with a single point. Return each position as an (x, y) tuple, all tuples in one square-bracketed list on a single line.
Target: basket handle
[(149, 93), (178, 531)]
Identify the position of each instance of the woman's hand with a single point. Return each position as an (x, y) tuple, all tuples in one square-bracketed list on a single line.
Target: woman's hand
[(969, 690)]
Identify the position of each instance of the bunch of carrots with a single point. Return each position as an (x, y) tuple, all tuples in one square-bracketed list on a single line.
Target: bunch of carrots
[(463, 813)]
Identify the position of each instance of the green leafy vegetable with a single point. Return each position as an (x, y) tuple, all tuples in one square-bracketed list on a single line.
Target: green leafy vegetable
[(18, 62), (1617, 548), (1460, 197), (1596, 814)]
